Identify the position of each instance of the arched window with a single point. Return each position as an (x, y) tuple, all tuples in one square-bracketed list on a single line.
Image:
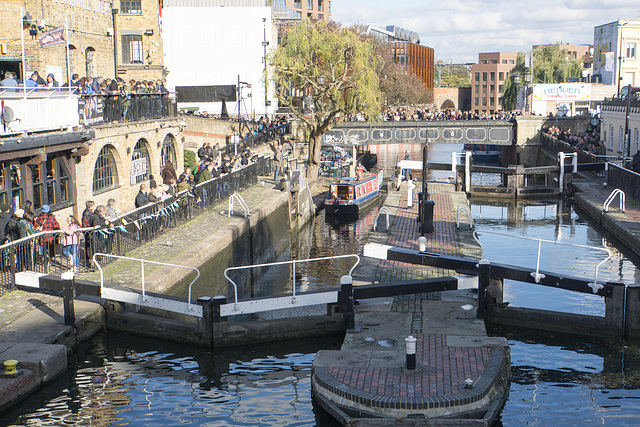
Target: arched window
[(72, 51), (168, 151), (105, 173), (140, 162), (88, 57)]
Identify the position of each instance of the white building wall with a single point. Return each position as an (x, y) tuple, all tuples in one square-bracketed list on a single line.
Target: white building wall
[(213, 46), (616, 38), (613, 123)]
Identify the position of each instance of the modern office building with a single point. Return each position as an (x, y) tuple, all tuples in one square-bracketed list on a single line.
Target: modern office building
[(487, 80)]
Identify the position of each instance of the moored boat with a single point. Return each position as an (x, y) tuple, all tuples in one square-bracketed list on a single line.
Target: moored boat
[(484, 153), (349, 196)]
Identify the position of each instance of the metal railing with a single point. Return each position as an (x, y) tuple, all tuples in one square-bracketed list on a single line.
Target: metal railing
[(612, 197), (145, 299), (43, 252), (539, 276), (137, 106), (466, 210), (293, 275), (241, 202), (375, 223), (624, 179)]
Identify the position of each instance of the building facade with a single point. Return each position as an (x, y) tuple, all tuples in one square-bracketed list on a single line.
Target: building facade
[(615, 57), (220, 46), (613, 125), (487, 80), (90, 38), (312, 9)]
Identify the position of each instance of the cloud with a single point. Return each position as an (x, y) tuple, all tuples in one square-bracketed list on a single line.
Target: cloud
[(460, 29)]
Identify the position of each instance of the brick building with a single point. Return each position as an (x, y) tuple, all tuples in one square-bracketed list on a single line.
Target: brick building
[(487, 80), (313, 9), (90, 24)]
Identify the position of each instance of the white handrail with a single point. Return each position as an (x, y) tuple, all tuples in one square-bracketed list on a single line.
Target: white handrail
[(464, 208), (375, 223), (244, 205), (537, 275), (294, 262), (612, 197), (142, 261)]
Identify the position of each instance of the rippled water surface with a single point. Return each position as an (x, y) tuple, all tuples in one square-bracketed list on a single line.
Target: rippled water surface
[(556, 380)]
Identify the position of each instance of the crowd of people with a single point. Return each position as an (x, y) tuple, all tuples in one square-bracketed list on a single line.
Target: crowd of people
[(427, 114), (589, 141), (87, 85)]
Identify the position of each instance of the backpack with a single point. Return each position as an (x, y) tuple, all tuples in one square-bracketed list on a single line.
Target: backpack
[(86, 219)]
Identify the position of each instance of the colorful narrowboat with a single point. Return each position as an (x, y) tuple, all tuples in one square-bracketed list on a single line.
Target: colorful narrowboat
[(350, 196)]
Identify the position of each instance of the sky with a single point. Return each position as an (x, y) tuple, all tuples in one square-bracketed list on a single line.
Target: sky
[(460, 29)]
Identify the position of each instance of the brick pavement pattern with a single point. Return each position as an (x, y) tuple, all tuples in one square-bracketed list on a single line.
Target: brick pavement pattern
[(432, 377)]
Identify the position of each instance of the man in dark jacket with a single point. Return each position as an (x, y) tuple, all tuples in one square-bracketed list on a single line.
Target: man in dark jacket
[(141, 198), (5, 217)]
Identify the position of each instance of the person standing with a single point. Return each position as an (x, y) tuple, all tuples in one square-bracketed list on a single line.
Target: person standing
[(407, 172), (71, 241), (141, 198), (47, 222), (168, 173), (277, 160)]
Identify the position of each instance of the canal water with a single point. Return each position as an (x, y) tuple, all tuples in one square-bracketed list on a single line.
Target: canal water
[(117, 379)]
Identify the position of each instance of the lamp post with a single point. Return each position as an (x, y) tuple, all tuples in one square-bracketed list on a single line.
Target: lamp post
[(516, 80), (527, 80), (265, 43), (619, 73)]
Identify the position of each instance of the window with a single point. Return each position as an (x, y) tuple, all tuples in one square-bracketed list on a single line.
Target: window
[(493, 76), (477, 88), (494, 61), (88, 58), (329, 8), (58, 190), (37, 185), (504, 61), (477, 77), (611, 137), (476, 102), (131, 6), (72, 52), (297, 4), (105, 173), (320, 6), (499, 88), (168, 153), (501, 76), (484, 77), (631, 50), (492, 88), (321, 16), (511, 61), (492, 101), (621, 140), (140, 162), (132, 49), (309, 4), (484, 101), (11, 185)]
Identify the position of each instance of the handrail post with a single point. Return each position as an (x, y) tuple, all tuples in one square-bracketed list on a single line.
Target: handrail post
[(484, 270), (144, 298), (346, 301), (293, 299)]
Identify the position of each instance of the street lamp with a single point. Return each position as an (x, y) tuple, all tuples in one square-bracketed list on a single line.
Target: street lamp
[(516, 80), (527, 80), (265, 43)]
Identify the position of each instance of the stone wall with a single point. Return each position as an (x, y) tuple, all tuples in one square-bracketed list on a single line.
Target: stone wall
[(121, 139), (199, 130)]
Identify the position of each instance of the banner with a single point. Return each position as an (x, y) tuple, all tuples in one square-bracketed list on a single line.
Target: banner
[(608, 61), (562, 92), (90, 110), (52, 37)]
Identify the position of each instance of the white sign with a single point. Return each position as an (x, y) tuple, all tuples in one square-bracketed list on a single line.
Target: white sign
[(138, 168), (562, 92)]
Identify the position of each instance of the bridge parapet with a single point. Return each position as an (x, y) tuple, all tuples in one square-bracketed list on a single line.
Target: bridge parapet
[(494, 132)]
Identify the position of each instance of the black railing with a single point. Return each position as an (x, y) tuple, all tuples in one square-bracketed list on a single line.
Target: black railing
[(44, 252), (624, 179), (255, 140), (119, 108)]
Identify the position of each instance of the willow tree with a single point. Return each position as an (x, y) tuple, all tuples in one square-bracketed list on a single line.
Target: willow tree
[(333, 67), (551, 64)]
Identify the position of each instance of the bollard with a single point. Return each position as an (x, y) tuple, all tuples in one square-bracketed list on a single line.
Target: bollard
[(422, 244), (420, 207), (68, 294), (427, 216), (10, 367), (411, 351), (410, 186)]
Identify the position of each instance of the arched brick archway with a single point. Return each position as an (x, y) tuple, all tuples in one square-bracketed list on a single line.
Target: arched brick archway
[(447, 105)]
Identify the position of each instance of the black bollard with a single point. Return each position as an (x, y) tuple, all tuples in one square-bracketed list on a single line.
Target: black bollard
[(68, 294)]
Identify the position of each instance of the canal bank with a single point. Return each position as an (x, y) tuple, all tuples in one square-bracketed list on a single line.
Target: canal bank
[(32, 325), (459, 373)]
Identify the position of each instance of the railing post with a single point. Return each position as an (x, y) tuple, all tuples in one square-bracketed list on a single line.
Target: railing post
[(205, 323), (484, 268), (615, 307), (68, 294), (632, 310), (346, 301)]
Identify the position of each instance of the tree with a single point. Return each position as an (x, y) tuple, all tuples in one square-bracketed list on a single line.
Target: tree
[(335, 67), (550, 65), (399, 86), (449, 75)]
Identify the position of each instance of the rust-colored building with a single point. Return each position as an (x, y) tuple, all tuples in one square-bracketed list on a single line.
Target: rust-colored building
[(313, 9), (487, 80)]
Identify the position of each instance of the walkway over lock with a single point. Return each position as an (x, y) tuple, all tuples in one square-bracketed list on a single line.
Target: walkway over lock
[(494, 132)]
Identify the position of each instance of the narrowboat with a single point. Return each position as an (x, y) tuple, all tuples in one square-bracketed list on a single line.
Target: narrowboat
[(350, 196)]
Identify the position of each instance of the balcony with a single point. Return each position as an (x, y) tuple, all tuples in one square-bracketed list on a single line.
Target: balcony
[(44, 109)]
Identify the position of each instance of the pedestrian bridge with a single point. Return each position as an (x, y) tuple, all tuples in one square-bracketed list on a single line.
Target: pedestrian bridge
[(494, 132)]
